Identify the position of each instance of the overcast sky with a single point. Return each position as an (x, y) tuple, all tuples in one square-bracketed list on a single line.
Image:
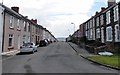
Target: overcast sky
[(57, 15)]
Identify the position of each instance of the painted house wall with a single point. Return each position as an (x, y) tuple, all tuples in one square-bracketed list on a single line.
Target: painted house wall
[(10, 31)]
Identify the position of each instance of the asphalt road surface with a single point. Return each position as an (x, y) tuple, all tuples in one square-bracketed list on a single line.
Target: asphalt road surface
[(55, 58)]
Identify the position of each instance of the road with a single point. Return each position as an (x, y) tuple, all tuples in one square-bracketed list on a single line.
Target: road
[(55, 58)]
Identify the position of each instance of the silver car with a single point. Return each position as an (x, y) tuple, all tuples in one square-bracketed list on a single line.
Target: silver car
[(28, 47)]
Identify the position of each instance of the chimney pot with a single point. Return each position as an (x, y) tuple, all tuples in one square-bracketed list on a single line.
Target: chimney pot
[(96, 13), (16, 9), (102, 8), (35, 21)]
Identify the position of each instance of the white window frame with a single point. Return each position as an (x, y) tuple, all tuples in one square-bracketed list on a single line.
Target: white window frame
[(86, 26), (93, 22), (12, 43), (28, 38), (101, 20), (18, 24), (93, 33), (109, 33), (108, 17), (116, 13), (98, 33), (86, 34), (97, 21), (117, 33), (102, 35), (28, 27), (11, 22)]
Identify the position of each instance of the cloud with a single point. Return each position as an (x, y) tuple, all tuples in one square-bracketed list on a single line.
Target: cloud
[(55, 15)]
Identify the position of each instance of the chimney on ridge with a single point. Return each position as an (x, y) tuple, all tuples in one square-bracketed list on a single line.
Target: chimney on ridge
[(16, 9), (35, 21), (111, 2)]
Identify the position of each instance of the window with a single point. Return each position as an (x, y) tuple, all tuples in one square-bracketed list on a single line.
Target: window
[(93, 22), (102, 34), (93, 30), (91, 33), (11, 21), (28, 27), (28, 38), (18, 24), (116, 13), (10, 40), (90, 23), (109, 33), (25, 28), (98, 33), (24, 37), (86, 26), (101, 19), (86, 33), (108, 17), (97, 21), (117, 33)]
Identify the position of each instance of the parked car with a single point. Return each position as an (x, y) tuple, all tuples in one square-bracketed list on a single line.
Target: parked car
[(43, 43), (28, 47)]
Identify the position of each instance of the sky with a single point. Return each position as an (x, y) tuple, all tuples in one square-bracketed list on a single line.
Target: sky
[(57, 15)]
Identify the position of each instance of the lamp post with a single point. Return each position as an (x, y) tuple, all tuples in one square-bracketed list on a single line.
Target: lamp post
[(74, 26)]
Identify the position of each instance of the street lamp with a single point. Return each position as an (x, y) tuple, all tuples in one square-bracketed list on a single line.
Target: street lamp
[(74, 26)]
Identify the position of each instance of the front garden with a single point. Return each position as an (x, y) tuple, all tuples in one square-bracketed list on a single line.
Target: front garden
[(113, 61)]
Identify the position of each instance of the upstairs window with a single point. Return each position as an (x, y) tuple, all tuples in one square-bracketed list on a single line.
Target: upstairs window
[(11, 21), (28, 27), (97, 21), (108, 17), (116, 13), (91, 25), (18, 24), (93, 22), (101, 19), (25, 26)]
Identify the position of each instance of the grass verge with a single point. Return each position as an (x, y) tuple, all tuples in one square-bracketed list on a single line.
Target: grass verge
[(113, 61)]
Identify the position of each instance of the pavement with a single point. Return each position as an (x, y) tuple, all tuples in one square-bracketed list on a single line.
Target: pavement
[(80, 51), (9, 54), (84, 53)]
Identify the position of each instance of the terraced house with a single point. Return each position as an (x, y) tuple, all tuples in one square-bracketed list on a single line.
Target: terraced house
[(102, 29), (18, 29), (104, 26)]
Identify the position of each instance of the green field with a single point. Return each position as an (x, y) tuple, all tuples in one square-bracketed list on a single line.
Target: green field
[(109, 60)]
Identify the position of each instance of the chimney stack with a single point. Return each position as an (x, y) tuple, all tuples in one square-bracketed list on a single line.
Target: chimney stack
[(16, 9), (111, 2), (102, 8), (34, 21), (96, 12)]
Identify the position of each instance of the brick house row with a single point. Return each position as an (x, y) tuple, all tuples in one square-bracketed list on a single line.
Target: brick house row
[(17, 29), (104, 26)]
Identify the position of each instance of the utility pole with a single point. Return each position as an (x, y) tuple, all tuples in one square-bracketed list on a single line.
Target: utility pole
[(2, 1)]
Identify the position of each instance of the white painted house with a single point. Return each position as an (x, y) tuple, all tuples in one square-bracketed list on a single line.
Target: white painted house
[(1, 27)]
